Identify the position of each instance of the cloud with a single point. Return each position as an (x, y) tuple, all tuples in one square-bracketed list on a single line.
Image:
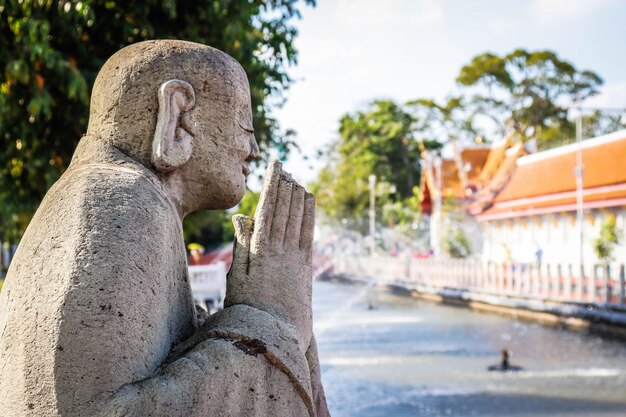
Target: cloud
[(540, 14), (613, 95), (319, 50), (358, 13), (504, 24), (548, 12)]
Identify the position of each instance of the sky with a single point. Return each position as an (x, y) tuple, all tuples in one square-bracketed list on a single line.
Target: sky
[(355, 51)]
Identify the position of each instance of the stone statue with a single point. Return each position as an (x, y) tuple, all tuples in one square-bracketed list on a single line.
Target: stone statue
[(96, 314)]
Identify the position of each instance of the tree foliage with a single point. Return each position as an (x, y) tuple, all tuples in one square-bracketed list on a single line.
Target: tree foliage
[(212, 228), (456, 244), (441, 122), (379, 141), (247, 207), (528, 94), (525, 94), (609, 238), (51, 51)]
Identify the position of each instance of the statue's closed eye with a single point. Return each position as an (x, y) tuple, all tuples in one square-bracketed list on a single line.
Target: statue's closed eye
[(247, 129)]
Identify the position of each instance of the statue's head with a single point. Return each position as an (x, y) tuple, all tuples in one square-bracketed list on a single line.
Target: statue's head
[(183, 110)]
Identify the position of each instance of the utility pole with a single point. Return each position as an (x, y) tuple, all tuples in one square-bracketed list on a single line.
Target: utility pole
[(436, 225), (580, 220), (372, 212)]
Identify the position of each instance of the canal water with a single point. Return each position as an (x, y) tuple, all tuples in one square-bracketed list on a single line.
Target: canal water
[(393, 356)]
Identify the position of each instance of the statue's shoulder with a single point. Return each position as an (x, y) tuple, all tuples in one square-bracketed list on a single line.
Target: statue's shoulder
[(111, 182), (104, 203), (102, 174)]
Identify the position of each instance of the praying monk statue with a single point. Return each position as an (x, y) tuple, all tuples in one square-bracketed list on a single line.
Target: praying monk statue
[(96, 314)]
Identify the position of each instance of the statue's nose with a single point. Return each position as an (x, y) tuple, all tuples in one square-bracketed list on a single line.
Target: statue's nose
[(254, 150)]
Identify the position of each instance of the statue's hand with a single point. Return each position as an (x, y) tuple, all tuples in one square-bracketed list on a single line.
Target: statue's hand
[(273, 253)]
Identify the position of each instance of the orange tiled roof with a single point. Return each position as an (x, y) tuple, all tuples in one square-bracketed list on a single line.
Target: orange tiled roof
[(546, 179), (473, 159), (494, 159), (450, 182), (499, 178)]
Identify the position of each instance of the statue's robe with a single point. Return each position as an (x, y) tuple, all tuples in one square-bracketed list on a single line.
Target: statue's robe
[(97, 316)]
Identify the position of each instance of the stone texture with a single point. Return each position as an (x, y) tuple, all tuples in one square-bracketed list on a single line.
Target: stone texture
[(96, 313)]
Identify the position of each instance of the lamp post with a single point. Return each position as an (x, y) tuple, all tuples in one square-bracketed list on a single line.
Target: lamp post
[(578, 172), (372, 212)]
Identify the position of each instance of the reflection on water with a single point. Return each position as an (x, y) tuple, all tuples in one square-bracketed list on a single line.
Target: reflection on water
[(411, 358)]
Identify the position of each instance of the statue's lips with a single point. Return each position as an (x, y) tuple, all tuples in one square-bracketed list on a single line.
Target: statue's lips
[(245, 169)]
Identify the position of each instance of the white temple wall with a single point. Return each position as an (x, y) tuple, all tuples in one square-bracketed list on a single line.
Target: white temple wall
[(557, 235)]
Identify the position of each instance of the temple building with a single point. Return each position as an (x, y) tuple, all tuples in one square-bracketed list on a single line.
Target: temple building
[(533, 218), (451, 182), (526, 204)]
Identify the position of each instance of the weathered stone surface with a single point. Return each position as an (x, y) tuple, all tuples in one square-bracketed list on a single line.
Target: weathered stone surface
[(96, 314)]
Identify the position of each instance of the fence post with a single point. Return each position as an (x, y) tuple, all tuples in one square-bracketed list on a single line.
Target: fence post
[(556, 282), (537, 279), (477, 273), (493, 285), (593, 284), (467, 273), (417, 268), (568, 282), (608, 293), (461, 281), (580, 283), (545, 281), (463, 273), (453, 280), (540, 278), (493, 282), (451, 274), (622, 285), (506, 277)]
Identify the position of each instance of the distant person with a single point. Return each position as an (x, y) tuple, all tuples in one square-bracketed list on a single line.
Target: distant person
[(196, 252), (504, 365), (538, 257)]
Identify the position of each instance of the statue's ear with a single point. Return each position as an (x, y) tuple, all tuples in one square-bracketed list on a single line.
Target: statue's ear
[(171, 146)]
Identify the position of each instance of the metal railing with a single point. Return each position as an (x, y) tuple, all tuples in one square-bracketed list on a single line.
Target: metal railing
[(599, 284)]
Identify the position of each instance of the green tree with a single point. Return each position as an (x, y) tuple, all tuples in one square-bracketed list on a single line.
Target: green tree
[(527, 93), (594, 124), (456, 243), (450, 121), (610, 237), (247, 206), (212, 228), (51, 51), (377, 141)]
